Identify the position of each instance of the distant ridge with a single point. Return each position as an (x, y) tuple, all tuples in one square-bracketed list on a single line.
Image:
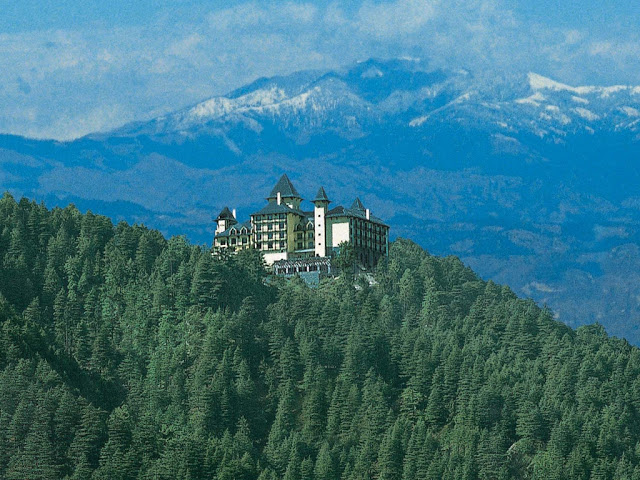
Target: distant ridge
[(531, 181)]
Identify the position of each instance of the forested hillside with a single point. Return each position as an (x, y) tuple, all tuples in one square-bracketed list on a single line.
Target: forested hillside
[(531, 182), (127, 356)]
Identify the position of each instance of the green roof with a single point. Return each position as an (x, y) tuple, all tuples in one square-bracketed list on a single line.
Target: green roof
[(285, 187), (357, 205), (235, 229), (340, 211), (321, 196), (225, 214), (272, 208)]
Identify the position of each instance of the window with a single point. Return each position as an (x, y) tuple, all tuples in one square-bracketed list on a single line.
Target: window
[(270, 245), (269, 217)]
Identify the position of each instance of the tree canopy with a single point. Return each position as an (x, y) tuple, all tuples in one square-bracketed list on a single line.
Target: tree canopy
[(124, 355)]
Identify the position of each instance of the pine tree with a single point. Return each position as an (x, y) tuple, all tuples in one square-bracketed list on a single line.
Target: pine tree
[(325, 468), (391, 456), (37, 459)]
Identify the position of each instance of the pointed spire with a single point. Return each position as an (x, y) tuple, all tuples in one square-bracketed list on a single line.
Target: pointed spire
[(357, 205), (225, 214), (285, 187), (321, 196)]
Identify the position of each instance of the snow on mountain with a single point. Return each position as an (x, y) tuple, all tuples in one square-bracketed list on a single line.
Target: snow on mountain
[(630, 111), (534, 99), (513, 171), (538, 82), (586, 114), (217, 107), (416, 122), (352, 101)]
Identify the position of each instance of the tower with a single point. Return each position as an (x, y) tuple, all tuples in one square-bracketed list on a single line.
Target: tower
[(321, 203), (285, 192), (225, 220)]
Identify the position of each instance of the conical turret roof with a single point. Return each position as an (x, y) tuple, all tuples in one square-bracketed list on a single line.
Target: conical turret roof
[(285, 187), (321, 196), (225, 214), (357, 205)]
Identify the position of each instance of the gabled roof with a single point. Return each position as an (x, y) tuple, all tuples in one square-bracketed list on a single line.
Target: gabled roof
[(225, 214), (321, 196), (235, 229), (357, 205), (285, 187), (271, 208), (340, 211)]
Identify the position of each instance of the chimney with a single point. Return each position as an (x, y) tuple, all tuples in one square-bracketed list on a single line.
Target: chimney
[(368, 213), (234, 214), (279, 198)]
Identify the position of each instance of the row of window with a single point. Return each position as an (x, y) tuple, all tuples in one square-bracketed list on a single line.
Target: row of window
[(377, 247), (301, 235), (369, 236), (282, 245), (271, 226), (233, 240), (242, 231), (271, 246), (366, 225), (274, 216), (271, 236)]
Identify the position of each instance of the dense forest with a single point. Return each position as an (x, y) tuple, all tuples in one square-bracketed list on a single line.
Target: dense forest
[(124, 355)]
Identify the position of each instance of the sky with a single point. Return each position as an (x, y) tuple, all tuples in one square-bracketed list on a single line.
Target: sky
[(75, 67)]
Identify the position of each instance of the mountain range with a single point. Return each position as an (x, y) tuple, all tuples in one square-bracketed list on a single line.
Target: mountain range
[(531, 182)]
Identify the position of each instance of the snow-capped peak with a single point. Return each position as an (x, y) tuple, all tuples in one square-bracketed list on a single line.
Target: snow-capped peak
[(337, 100), (219, 106), (538, 82)]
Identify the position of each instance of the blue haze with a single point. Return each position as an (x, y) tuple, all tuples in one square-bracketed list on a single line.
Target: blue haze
[(530, 182)]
